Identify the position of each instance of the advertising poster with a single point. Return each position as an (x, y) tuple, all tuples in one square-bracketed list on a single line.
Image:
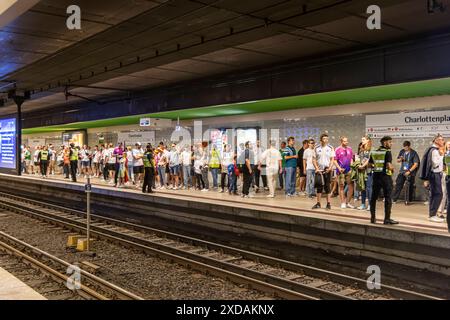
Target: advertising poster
[(78, 138), (8, 143)]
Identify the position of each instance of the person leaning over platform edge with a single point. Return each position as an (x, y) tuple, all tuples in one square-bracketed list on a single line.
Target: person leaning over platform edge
[(381, 161), (149, 169), (410, 162)]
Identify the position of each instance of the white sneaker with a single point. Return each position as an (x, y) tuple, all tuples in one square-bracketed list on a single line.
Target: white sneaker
[(350, 206), (205, 190), (221, 191), (368, 208), (343, 206), (436, 219), (271, 196), (445, 211)]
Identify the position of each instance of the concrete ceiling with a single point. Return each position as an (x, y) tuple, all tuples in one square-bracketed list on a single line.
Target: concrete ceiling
[(134, 45)]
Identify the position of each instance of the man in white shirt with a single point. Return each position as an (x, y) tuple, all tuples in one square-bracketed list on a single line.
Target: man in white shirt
[(323, 162), (111, 160), (272, 157), (138, 164), (186, 159), (174, 166), (260, 173), (435, 181), (308, 156)]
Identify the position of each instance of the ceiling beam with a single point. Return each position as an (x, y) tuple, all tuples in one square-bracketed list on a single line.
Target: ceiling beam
[(11, 9)]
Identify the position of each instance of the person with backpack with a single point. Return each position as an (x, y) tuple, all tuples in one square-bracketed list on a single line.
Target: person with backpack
[(233, 174), (381, 162), (431, 173)]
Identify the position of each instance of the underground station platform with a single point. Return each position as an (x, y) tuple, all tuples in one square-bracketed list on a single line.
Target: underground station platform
[(286, 228), (195, 89)]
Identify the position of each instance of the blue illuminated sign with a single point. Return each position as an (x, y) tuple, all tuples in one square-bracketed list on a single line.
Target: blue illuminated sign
[(8, 143)]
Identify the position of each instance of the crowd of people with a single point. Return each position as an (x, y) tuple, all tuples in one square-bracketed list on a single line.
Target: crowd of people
[(316, 170)]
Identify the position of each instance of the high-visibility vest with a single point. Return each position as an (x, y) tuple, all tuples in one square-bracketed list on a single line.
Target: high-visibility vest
[(379, 159), (147, 162), (44, 155), (447, 163), (74, 155), (214, 161)]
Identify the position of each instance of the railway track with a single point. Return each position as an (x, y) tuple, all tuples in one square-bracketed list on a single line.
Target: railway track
[(281, 278), (90, 286)]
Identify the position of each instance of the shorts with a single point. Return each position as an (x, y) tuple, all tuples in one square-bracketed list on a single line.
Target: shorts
[(138, 169), (345, 177), (85, 164), (175, 170), (111, 166), (326, 188)]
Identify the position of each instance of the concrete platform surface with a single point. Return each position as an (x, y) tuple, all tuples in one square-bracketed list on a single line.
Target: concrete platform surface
[(12, 288), (412, 217)]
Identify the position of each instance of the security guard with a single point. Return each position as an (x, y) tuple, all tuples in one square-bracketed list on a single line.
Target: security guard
[(149, 169), (447, 182), (381, 162), (43, 157), (73, 157)]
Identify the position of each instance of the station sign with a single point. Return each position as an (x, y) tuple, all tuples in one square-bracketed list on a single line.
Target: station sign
[(145, 122), (409, 125)]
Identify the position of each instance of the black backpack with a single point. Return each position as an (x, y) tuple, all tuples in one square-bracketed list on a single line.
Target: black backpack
[(425, 170)]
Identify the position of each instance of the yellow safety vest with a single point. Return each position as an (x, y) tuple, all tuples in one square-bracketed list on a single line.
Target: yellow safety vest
[(147, 162), (379, 159), (447, 163), (74, 155), (214, 161), (44, 155)]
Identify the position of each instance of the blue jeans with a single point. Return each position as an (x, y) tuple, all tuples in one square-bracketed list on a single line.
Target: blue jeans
[(187, 175), (232, 186), (367, 194), (310, 175), (290, 180), (214, 173), (130, 172), (435, 193), (162, 174)]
